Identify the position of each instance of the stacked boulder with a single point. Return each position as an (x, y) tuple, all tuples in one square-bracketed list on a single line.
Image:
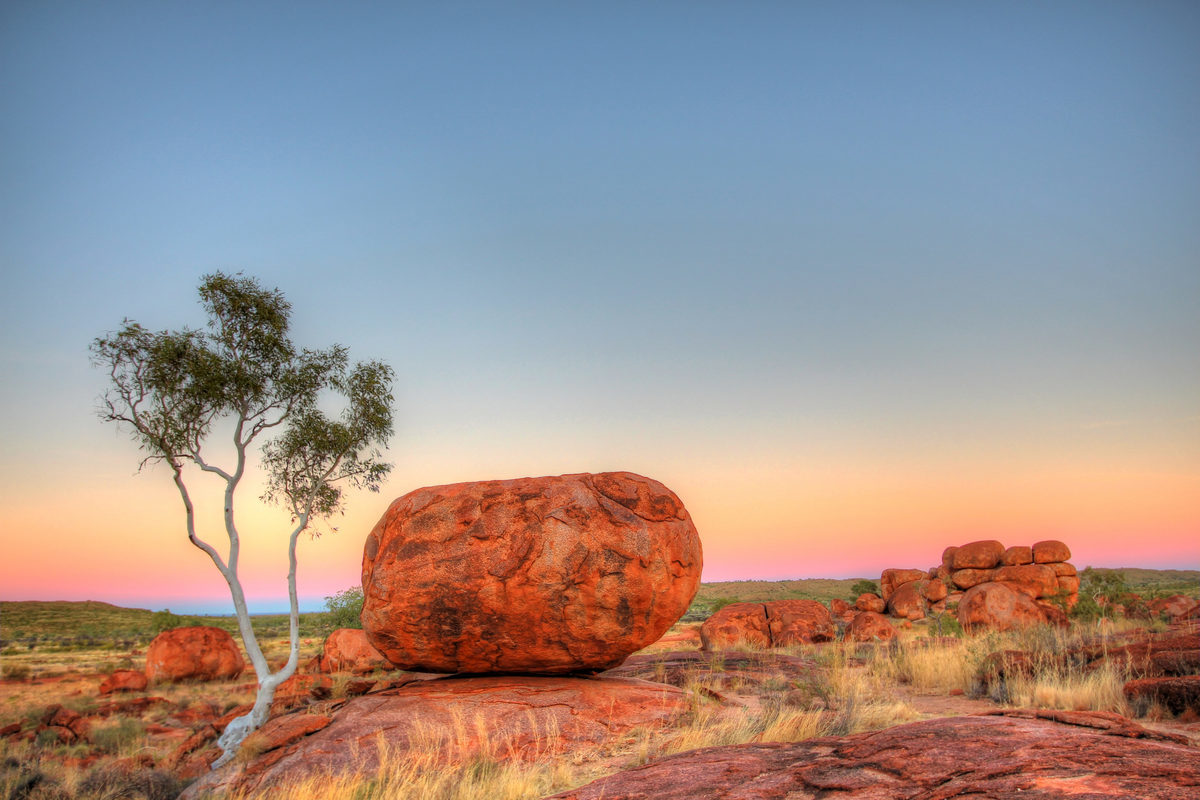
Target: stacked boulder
[(993, 586)]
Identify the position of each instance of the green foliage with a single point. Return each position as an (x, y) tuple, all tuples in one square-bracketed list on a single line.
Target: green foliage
[(164, 621), (721, 602), (345, 608), (863, 587), (169, 388), (1100, 592)]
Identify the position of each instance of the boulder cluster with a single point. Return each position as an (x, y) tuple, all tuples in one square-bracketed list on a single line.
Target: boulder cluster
[(991, 585)]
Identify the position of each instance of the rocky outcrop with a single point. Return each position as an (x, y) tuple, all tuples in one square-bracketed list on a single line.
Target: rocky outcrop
[(453, 719), (1040, 572), (1044, 755), (348, 650), (870, 602), (774, 624), (1176, 607), (199, 653), (538, 575)]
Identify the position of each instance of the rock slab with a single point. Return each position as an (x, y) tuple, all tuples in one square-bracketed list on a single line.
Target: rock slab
[(535, 575), (1042, 755)]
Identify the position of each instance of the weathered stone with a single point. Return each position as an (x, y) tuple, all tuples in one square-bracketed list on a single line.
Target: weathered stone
[(840, 608), (1034, 580), (934, 590), (996, 606), (1050, 550), (1044, 755), (548, 575), (907, 600), (457, 720), (1177, 694), (870, 602), (199, 653), (1175, 607), (348, 650), (123, 680), (736, 623), (1068, 584), (892, 579), (966, 578), (869, 626), (1017, 555), (978, 555), (1063, 569)]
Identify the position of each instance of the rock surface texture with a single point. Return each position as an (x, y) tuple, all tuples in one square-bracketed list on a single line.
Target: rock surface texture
[(456, 719), (199, 653), (998, 607), (537, 575), (348, 650), (1042, 755)]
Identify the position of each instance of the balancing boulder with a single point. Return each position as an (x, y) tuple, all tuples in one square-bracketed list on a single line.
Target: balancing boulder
[(539, 575)]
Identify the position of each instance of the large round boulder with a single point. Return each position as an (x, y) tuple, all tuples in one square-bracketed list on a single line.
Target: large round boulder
[(1049, 551), (537, 575), (1035, 580), (734, 624), (978, 555), (996, 606), (868, 626), (198, 653), (892, 579), (799, 622)]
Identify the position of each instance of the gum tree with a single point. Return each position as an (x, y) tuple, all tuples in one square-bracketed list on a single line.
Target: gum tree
[(190, 397)]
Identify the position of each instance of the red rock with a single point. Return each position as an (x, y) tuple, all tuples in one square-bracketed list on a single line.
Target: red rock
[(1177, 695), (978, 555), (1175, 607), (136, 706), (966, 578), (348, 650), (1017, 555), (549, 575), (1034, 580), (935, 590), (997, 607), (286, 729), (907, 600), (123, 680), (1050, 550), (870, 602), (200, 653), (869, 626), (1063, 569), (298, 690), (1068, 584), (11, 729), (798, 622), (192, 743), (736, 623), (891, 579), (460, 719), (948, 558), (1041, 755), (839, 607)]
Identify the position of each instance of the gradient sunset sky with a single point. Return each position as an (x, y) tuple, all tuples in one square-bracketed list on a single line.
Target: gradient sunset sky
[(856, 280)]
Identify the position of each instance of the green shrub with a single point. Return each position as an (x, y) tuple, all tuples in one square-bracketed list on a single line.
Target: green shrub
[(345, 608), (863, 587)]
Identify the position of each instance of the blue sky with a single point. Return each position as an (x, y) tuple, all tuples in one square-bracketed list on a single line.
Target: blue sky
[(739, 247)]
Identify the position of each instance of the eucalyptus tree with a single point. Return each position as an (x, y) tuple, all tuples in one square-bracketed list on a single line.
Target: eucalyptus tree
[(192, 397)]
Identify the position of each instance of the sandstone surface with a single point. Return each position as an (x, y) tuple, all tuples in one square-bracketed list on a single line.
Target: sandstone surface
[(1034, 580), (773, 624), (549, 575), (870, 626), (908, 600), (870, 602), (349, 650), (978, 555), (891, 579), (455, 719), (1050, 550), (198, 653), (1017, 555), (1039, 755), (736, 623)]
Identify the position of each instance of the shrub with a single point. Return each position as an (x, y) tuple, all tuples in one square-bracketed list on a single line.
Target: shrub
[(720, 603), (164, 620), (117, 783), (345, 608), (863, 587), (15, 672)]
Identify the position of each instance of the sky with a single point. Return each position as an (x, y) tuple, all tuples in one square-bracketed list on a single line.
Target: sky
[(856, 280)]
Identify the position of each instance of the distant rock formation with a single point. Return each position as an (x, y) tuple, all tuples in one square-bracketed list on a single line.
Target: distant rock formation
[(774, 624), (547, 575)]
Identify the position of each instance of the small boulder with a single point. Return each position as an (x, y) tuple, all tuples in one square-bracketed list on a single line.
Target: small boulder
[(798, 622), (1050, 550), (935, 590), (966, 578), (907, 601), (869, 601), (996, 606), (545, 575), (978, 555), (349, 650), (199, 653), (124, 680), (1017, 555), (868, 626), (840, 608)]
